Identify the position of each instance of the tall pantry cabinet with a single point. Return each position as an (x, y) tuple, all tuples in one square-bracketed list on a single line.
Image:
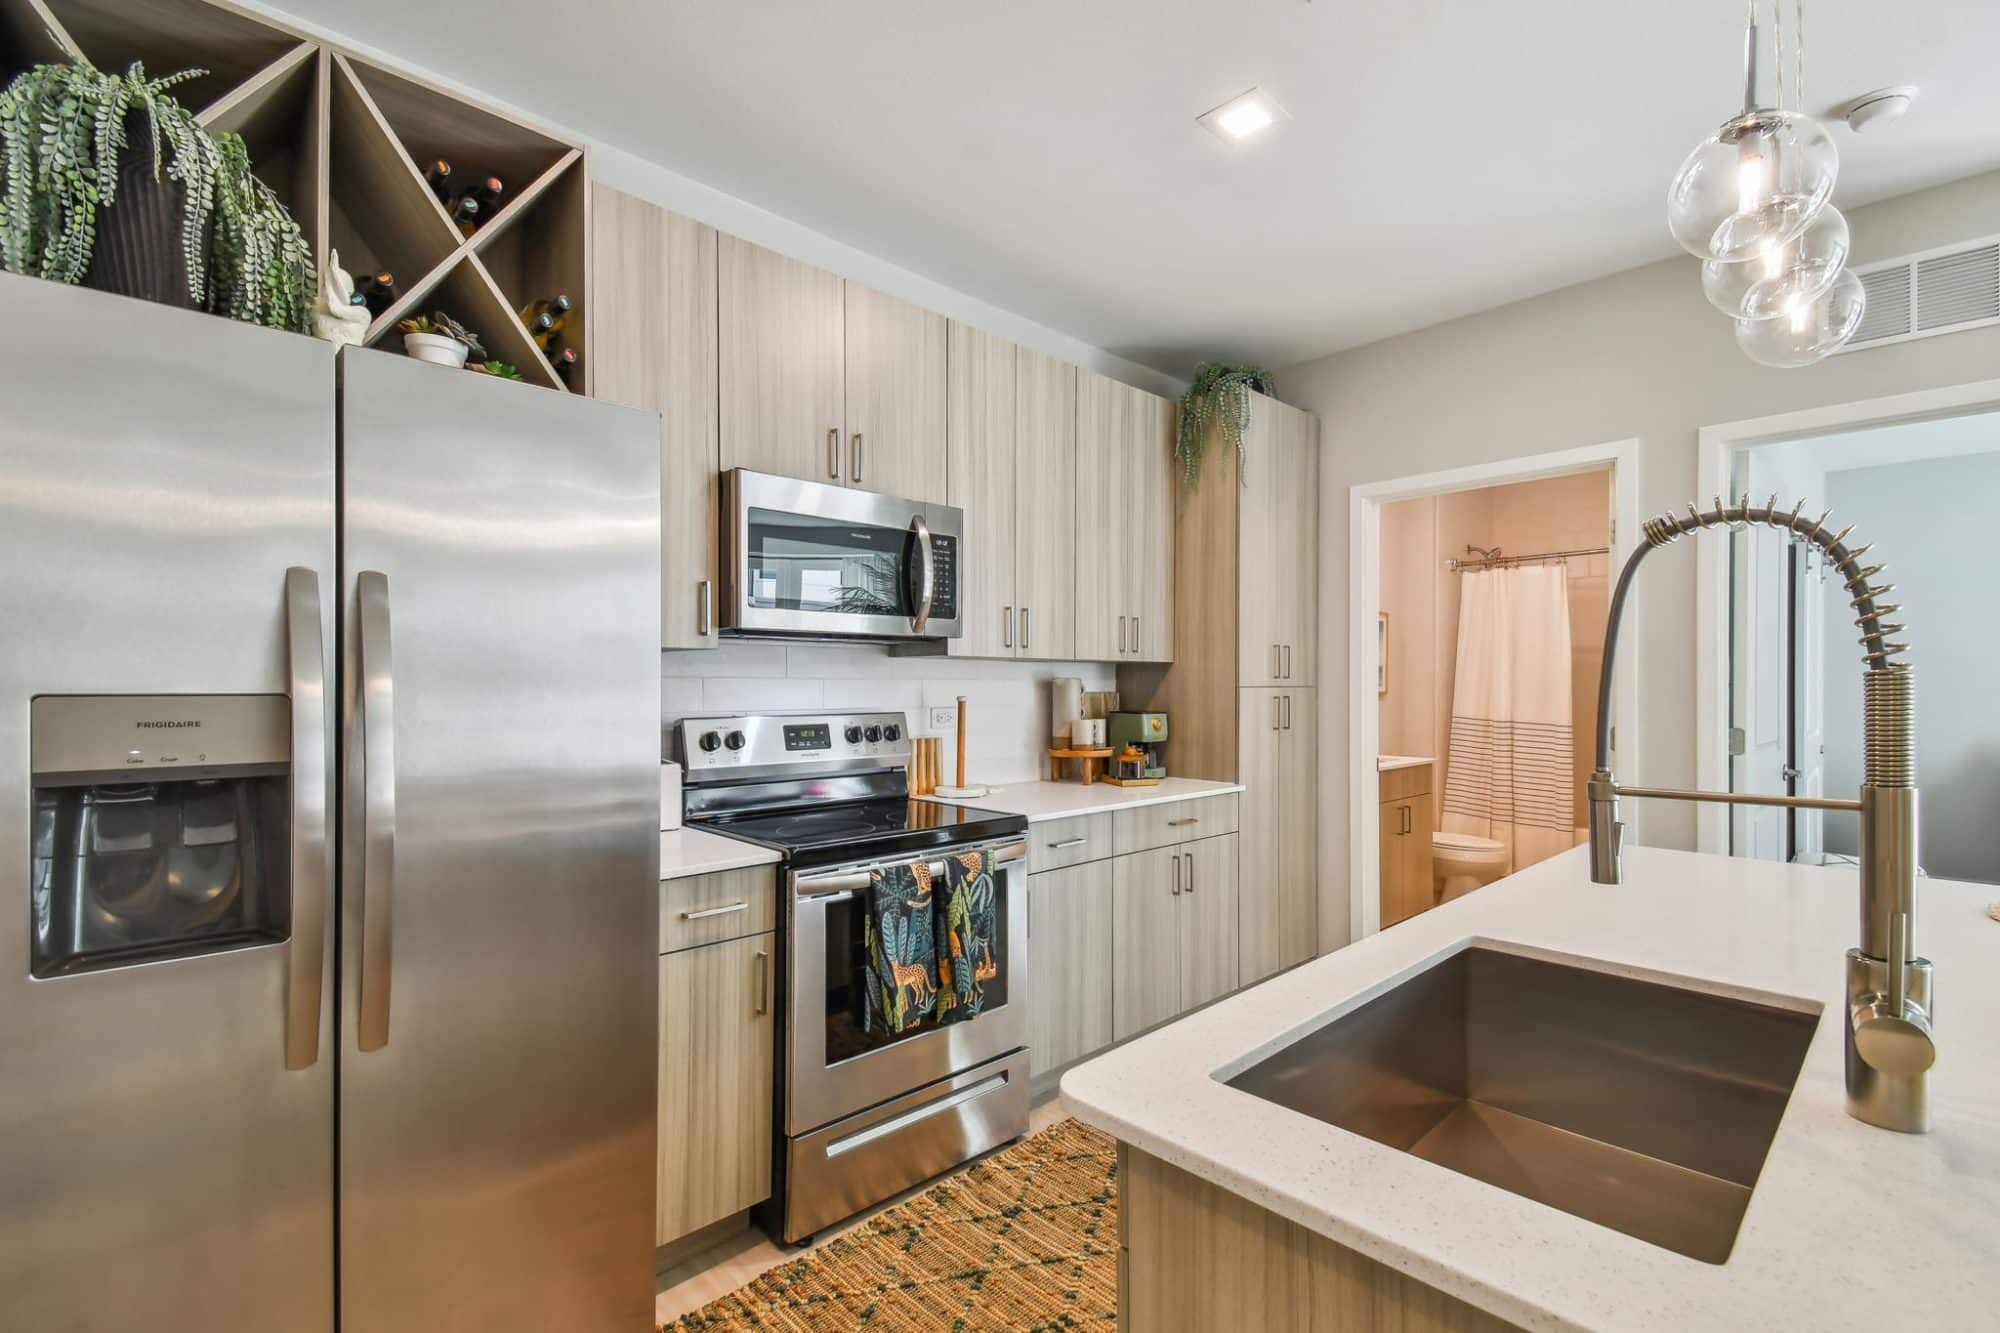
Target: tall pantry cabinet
[(1241, 687)]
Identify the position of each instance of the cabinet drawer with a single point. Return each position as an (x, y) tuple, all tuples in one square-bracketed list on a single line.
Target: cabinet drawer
[(1056, 843), (1173, 822), (703, 909), (1399, 784)]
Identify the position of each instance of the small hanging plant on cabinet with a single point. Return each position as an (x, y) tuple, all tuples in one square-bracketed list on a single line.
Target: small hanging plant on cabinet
[(107, 181), (1219, 394)]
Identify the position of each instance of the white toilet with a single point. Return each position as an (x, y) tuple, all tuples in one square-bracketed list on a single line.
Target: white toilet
[(1462, 862)]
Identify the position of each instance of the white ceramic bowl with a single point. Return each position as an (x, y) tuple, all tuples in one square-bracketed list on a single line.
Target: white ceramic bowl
[(436, 348)]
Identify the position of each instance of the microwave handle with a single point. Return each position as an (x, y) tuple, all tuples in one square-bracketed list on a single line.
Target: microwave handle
[(927, 585)]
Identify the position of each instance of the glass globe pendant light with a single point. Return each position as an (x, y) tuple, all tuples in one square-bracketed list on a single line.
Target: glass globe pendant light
[(1810, 330), (1773, 282), (1757, 182)]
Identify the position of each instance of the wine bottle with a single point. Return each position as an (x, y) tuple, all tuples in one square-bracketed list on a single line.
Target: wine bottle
[(557, 306), (564, 362), (438, 176), (541, 328), (487, 192), (379, 293), (466, 214)]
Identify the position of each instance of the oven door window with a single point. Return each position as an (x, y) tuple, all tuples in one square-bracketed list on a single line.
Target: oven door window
[(797, 562), (847, 1033)]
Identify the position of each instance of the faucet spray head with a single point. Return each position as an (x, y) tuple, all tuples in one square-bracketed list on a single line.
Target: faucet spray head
[(1607, 834)]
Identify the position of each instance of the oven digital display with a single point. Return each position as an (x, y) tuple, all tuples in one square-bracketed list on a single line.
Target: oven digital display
[(809, 736)]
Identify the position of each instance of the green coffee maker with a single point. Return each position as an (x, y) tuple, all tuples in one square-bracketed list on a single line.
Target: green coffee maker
[(1145, 732)]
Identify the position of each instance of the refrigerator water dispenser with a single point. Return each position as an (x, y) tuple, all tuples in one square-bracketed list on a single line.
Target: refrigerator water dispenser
[(160, 828)]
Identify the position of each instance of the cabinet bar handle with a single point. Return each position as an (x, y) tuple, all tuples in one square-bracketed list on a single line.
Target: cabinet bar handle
[(1067, 843), (1121, 634), (1024, 629), (1288, 661), (1006, 627), (763, 961), (1176, 823), (1177, 876), (1190, 872), (715, 911), (1274, 661), (856, 455), (1274, 712), (704, 616), (1136, 640), (833, 452), (1288, 711), (1406, 819)]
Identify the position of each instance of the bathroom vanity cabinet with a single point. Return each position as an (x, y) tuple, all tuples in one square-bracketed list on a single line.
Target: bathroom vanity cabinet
[(1408, 819)]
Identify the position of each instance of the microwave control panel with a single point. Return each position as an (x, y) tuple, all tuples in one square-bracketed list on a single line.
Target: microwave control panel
[(944, 590)]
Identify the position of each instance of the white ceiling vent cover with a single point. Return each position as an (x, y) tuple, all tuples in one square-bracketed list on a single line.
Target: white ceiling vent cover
[(1922, 295)]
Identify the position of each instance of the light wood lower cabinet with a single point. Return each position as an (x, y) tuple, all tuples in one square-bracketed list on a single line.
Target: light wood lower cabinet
[(653, 348), (1278, 767), (1069, 970), (1173, 946), (1407, 821), (716, 1029)]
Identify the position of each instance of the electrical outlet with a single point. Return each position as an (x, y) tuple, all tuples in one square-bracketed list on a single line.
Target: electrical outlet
[(944, 717)]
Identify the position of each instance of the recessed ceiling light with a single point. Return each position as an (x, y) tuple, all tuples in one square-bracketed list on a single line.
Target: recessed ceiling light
[(1244, 117)]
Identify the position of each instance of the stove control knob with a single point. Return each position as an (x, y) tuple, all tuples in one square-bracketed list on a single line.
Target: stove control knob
[(711, 741), (853, 735), (874, 734), (737, 740), (892, 733)]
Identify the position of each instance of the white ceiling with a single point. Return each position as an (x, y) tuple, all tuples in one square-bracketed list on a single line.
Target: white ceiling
[(1042, 155)]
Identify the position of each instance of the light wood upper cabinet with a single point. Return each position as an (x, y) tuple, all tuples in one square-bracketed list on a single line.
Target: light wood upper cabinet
[(1069, 927), (715, 1089), (783, 364), (984, 467), (1278, 572), (1125, 522), (653, 322), (895, 439), (1045, 507)]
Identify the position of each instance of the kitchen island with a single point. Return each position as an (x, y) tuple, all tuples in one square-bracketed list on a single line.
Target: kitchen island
[(1240, 1210)]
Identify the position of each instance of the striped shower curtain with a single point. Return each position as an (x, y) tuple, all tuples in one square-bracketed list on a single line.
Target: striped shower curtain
[(1508, 773)]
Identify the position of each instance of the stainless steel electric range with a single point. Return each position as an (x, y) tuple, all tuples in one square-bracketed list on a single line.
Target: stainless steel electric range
[(861, 1116)]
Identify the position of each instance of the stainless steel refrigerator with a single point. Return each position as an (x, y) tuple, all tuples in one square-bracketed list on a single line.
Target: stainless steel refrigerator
[(329, 694)]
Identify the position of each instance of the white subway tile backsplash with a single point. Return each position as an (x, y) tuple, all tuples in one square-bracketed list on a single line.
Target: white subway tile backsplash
[(1007, 718)]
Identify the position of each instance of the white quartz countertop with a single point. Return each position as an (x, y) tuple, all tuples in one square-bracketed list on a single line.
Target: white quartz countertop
[(1060, 800), (1849, 1227), (1385, 762), (693, 851)]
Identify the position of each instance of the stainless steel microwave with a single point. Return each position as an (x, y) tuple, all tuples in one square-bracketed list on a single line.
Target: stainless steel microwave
[(807, 560)]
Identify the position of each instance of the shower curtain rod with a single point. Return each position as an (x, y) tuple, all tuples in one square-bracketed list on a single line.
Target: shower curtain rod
[(1489, 561)]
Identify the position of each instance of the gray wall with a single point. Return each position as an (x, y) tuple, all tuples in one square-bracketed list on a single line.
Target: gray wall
[(1639, 353), (1921, 517)]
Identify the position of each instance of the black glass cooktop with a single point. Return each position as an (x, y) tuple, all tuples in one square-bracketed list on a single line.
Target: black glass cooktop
[(820, 835)]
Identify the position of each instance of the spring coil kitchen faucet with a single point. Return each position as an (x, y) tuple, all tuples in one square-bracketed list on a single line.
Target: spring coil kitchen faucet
[(1888, 1033)]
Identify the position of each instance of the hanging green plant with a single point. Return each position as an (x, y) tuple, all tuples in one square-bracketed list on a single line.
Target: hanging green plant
[(1219, 394), (63, 133)]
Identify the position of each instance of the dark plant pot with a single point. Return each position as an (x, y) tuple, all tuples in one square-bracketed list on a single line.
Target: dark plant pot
[(138, 250)]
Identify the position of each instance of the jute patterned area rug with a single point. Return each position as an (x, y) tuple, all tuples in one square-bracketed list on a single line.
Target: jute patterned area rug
[(1026, 1239)]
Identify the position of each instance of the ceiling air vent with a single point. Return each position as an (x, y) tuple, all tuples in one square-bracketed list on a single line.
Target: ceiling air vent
[(1938, 291)]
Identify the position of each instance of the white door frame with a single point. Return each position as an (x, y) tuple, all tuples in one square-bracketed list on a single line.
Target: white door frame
[(1715, 451), (1364, 603)]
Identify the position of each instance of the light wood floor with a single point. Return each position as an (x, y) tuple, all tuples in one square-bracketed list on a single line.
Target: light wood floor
[(742, 1258)]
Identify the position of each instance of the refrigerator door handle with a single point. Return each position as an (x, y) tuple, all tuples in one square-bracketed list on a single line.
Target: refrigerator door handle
[(376, 887), (311, 860)]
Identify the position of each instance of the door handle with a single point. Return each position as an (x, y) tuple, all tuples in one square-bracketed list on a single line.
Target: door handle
[(763, 962), (1276, 662), (704, 615), (1006, 627), (376, 887), (927, 588), (312, 861), (1067, 843), (1177, 875), (833, 452), (1137, 641), (1024, 629), (1288, 712), (1121, 634), (1406, 819), (1190, 872), (727, 909), (855, 458), (1274, 713), (1288, 661)]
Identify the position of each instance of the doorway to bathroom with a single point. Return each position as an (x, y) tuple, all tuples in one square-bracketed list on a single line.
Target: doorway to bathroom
[(1478, 600)]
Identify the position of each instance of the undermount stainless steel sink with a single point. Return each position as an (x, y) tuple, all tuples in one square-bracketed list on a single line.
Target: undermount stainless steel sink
[(1638, 1105)]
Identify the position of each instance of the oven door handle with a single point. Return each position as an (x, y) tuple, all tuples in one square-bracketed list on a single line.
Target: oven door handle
[(926, 576), (846, 884)]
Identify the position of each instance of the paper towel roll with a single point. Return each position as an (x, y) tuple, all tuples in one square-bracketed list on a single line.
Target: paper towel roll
[(1065, 705)]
